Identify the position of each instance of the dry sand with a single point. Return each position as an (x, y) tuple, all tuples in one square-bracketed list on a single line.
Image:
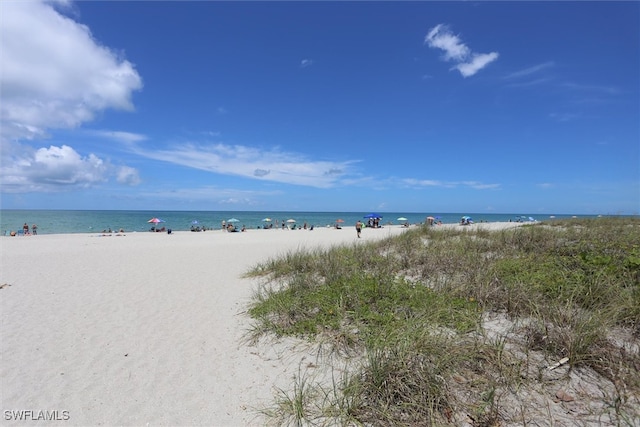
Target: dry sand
[(144, 328)]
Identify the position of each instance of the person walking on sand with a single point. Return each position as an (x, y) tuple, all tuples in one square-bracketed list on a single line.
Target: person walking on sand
[(358, 228)]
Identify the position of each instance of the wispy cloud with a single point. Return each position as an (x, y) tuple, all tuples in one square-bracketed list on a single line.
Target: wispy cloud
[(529, 83), (480, 185), (255, 163), (545, 185), (468, 62), (449, 184), (217, 195), (306, 63), (535, 69), (118, 136), (565, 117), (607, 90)]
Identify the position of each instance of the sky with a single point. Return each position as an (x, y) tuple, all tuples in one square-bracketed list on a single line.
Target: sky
[(484, 107)]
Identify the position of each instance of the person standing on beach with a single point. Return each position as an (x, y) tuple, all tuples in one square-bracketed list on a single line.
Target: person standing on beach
[(358, 228), (25, 228), (34, 229)]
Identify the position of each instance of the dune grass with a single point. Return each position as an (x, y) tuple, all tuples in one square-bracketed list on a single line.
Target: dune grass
[(413, 309)]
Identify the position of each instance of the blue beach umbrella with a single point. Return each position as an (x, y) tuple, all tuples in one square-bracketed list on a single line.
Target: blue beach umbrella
[(373, 215), (233, 220)]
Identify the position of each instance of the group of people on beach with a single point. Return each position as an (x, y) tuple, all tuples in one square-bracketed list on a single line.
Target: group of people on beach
[(25, 230)]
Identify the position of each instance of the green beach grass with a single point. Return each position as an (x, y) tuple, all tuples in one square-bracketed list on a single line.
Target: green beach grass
[(462, 325)]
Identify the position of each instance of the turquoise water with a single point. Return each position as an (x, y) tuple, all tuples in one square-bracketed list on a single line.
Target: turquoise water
[(75, 221)]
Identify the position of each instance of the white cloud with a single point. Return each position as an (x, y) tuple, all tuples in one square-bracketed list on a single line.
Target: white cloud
[(468, 62), (477, 63), (441, 38), (51, 169), (306, 63), (249, 162), (54, 73), (128, 175)]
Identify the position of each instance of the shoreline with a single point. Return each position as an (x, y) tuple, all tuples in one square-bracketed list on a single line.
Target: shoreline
[(495, 225), (138, 329)]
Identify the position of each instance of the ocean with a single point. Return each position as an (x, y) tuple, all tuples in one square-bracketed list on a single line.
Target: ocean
[(90, 221)]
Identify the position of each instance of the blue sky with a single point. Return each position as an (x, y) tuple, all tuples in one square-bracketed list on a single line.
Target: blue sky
[(493, 107)]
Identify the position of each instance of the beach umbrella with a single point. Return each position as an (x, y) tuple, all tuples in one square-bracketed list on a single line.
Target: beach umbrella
[(291, 220), (233, 220), (373, 215), (430, 217), (402, 219), (466, 217), (194, 222), (339, 220), (266, 219), (155, 220)]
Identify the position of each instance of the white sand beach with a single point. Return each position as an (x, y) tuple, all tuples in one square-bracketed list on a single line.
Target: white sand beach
[(143, 328)]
